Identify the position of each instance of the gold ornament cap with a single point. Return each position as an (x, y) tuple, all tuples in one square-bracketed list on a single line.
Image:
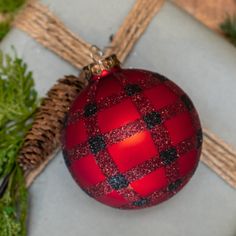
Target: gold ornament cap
[(101, 66)]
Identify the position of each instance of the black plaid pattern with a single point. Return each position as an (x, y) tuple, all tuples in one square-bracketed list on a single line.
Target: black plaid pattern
[(199, 138), (160, 77), (187, 102), (168, 156), (118, 182), (140, 202), (132, 89), (151, 119), (174, 186), (97, 144), (90, 109)]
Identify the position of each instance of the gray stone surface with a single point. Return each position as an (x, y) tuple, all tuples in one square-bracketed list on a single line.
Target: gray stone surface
[(188, 53)]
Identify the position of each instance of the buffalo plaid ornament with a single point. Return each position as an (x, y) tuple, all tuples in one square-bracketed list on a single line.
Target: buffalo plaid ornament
[(132, 138)]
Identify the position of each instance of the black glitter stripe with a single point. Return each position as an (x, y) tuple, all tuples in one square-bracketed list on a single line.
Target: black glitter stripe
[(172, 110), (166, 113), (160, 195), (148, 82), (126, 131), (99, 189), (149, 166), (144, 106), (129, 193), (99, 150), (102, 157), (143, 169), (132, 128)]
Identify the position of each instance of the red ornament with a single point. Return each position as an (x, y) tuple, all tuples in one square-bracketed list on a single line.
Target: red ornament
[(132, 138)]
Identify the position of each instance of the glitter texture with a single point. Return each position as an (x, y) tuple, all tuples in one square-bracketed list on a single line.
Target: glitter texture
[(132, 89), (90, 109), (118, 181), (153, 118), (96, 144), (132, 149), (168, 156)]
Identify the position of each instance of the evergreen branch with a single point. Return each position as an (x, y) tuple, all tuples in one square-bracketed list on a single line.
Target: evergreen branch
[(13, 206), (8, 9), (18, 102), (7, 6), (229, 28), (5, 27)]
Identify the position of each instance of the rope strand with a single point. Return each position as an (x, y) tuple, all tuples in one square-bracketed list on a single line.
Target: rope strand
[(47, 29)]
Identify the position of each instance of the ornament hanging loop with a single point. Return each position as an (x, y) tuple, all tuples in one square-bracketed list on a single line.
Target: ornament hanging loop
[(101, 65), (96, 54)]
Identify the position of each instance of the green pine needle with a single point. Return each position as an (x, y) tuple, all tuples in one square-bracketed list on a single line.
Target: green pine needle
[(18, 102), (8, 9), (13, 206), (5, 27), (229, 28), (7, 6)]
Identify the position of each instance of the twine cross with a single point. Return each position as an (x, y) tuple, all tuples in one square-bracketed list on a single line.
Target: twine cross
[(36, 20)]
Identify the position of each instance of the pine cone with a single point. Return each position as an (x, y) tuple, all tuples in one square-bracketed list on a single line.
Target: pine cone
[(44, 136)]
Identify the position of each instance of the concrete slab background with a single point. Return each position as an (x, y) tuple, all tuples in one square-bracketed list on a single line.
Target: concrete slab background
[(185, 51)]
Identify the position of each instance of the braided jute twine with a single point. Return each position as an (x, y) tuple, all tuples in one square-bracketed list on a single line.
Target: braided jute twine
[(42, 141)]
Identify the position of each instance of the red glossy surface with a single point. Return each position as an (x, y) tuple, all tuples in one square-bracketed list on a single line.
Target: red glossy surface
[(85, 166), (112, 142), (149, 184), (133, 150), (109, 119)]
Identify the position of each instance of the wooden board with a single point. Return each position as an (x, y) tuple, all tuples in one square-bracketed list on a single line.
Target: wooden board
[(209, 12)]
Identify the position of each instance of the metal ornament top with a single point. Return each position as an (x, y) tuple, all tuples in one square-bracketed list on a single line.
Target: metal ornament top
[(101, 65)]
